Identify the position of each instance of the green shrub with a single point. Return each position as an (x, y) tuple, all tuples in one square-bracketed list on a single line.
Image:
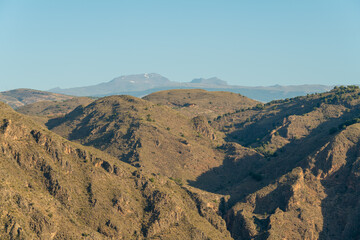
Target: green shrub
[(259, 106), (176, 180), (148, 118)]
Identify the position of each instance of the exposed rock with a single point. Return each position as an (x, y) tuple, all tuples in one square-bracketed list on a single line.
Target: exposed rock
[(202, 126)]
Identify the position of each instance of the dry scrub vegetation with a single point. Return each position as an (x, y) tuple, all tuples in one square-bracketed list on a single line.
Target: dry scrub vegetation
[(185, 164)]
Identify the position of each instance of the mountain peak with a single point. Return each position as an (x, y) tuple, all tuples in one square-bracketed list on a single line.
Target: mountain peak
[(212, 81), (140, 78)]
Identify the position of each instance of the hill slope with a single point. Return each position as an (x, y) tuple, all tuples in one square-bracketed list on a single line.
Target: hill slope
[(51, 188), (296, 174), (20, 97), (153, 137), (194, 102), (53, 108)]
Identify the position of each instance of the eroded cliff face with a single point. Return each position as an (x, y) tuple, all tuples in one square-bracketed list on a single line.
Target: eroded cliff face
[(317, 200), (288, 208), (51, 188), (202, 126)]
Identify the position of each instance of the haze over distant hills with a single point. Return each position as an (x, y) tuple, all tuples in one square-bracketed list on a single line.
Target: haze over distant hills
[(140, 85), (22, 96)]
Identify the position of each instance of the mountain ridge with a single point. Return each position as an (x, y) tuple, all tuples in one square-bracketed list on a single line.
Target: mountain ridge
[(159, 82), (23, 96)]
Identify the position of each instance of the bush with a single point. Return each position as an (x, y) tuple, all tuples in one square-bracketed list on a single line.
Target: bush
[(177, 180), (148, 118), (259, 106)]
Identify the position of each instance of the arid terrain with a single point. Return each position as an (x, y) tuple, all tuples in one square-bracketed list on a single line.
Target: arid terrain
[(21, 97), (182, 164)]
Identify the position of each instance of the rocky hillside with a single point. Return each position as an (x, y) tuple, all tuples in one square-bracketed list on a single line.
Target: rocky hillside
[(292, 168), (195, 102), (150, 136), (51, 188), (20, 97)]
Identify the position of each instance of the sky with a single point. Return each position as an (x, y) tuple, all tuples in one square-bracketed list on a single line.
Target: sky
[(70, 43)]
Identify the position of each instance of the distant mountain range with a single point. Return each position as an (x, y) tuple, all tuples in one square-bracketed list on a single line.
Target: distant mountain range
[(140, 85)]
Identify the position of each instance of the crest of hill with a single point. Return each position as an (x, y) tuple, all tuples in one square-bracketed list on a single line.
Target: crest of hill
[(194, 102), (20, 97), (53, 108), (150, 136), (51, 188), (297, 162), (282, 117)]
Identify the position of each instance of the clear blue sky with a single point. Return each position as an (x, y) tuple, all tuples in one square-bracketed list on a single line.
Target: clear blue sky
[(68, 43)]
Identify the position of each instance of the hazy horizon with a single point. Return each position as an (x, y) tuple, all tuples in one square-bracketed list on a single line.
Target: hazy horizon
[(68, 44), (249, 85), (206, 78)]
